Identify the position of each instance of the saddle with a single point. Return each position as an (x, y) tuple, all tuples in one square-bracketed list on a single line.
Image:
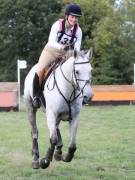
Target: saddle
[(38, 89), (48, 71)]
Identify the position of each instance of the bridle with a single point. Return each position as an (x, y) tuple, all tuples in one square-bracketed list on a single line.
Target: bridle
[(77, 79), (74, 83)]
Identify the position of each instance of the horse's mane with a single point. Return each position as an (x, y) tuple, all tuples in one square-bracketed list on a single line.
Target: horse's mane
[(70, 53)]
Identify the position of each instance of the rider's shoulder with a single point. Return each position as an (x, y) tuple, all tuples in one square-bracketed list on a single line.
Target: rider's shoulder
[(56, 23), (55, 26)]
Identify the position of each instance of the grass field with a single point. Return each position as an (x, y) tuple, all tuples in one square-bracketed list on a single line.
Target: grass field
[(105, 141)]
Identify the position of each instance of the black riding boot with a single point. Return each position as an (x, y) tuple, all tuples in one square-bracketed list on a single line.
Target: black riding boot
[(36, 92)]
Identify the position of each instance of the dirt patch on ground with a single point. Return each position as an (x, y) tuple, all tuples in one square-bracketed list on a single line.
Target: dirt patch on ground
[(17, 158)]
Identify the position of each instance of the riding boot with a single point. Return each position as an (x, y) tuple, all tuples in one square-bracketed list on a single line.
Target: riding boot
[(36, 92)]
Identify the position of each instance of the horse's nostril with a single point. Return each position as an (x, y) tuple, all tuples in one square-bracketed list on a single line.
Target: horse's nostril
[(85, 100)]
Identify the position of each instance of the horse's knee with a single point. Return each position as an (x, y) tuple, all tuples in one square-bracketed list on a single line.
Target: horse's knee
[(34, 134), (54, 140)]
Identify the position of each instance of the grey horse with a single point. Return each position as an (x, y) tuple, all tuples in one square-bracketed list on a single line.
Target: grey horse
[(64, 91)]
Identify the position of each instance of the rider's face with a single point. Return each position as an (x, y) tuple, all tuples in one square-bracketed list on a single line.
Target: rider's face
[(72, 20)]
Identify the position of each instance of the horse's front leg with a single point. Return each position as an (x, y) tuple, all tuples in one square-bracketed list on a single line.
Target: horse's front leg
[(59, 145), (51, 122), (72, 146), (34, 134)]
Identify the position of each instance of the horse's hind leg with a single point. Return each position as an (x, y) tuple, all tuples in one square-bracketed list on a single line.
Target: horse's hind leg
[(58, 151), (72, 147), (34, 134)]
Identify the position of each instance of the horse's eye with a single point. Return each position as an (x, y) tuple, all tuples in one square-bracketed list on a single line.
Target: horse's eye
[(77, 72)]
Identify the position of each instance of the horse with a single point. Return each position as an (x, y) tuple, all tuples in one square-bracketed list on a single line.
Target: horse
[(64, 91)]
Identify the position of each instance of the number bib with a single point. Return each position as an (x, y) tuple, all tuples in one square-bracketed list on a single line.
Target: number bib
[(66, 39)]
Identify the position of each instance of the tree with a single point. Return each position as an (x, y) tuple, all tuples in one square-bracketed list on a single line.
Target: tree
[(24, 30), (109, 29)]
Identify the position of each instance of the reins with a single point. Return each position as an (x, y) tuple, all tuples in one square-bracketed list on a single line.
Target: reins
[(76, 87)]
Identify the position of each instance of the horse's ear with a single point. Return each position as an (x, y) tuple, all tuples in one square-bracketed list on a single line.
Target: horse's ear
[(75, 53), (89, 53)]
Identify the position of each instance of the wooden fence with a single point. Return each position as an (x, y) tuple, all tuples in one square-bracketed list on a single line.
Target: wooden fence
[(113, 94), (8, 96)]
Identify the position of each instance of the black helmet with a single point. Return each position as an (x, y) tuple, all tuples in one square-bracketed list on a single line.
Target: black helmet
[(73, 9)]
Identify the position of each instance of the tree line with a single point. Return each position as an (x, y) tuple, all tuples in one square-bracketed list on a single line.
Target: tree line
[(108, 27)]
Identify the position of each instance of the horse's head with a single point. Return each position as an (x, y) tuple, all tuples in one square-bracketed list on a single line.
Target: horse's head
[(83, 73)]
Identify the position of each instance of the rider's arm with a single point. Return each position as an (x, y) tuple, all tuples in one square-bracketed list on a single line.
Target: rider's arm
[(52, 41), (77, 45)]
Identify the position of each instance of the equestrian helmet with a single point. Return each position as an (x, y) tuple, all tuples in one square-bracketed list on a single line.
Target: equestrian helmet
[(73, 9)]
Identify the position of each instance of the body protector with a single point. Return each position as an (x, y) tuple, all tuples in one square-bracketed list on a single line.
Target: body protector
[(64, 38)]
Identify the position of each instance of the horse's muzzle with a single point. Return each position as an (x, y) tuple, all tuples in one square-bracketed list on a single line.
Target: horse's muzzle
[(88, 99)]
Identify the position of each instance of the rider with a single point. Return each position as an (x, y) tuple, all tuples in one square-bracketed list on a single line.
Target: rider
[(65, 33)]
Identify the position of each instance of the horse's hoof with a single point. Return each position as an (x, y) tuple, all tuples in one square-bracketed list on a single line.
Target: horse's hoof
[(35, 164), (57, 156), (44, 163), (67, 158)]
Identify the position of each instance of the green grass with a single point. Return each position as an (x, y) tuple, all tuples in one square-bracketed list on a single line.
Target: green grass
[(105, 141)]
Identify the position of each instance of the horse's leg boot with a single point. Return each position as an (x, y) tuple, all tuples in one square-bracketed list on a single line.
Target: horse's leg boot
[(36, 92)]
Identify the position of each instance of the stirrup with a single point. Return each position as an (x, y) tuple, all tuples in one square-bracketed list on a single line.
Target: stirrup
[(36, 102)]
